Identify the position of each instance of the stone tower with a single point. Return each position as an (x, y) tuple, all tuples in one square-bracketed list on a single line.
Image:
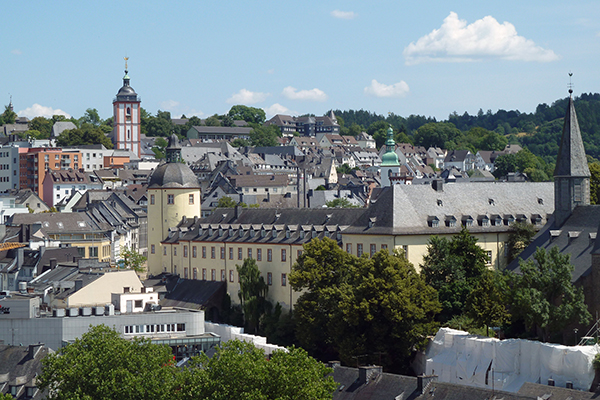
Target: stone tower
[(127, 118), (571, 175), (173, 193)]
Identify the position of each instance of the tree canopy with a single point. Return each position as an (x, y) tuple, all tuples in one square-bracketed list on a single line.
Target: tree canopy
[(132, 259), (353, 306), (264, 136), (86, 134), (252, 294), (251, 115)]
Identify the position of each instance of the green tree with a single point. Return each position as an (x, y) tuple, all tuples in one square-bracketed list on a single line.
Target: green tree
[(543, 297), (437, 134), (344, 169), (486, 304), (42, 125), (594, 183), (252, 294), (340, 202), (132, 259), (226, 202), (251, 115), (91, 117), (239, 370), (264, 136), (379, 132), (453, 268), (160, 125), (103, 365), (505, 164), (237, 142), (160, 148), (87, 134), (9, 116), (519, 238), (354, 306), (212, 121)]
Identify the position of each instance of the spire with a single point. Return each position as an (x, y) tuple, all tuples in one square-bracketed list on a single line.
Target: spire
[(571, 175), (173, 149), (390, 158), (126, 77)]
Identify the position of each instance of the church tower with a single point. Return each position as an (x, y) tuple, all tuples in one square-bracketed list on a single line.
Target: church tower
[(571, 175), (390, 167), (173, 193), (126, 117)]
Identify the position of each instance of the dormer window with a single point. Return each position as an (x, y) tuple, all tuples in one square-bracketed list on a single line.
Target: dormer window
[(491, 202), (251, 232), (263, 233), (450, 221), (274, 233), (220, 231), (241, 232), (301, 234), (230, 231), (439, 202), (210, 231)]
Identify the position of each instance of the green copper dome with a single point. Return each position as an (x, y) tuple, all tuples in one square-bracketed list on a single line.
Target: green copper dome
[(390, 158)]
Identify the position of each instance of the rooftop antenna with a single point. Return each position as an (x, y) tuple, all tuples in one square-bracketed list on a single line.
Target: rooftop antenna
[(570, 83)]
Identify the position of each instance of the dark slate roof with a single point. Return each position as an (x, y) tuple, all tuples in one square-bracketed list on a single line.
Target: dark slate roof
[(536, 390), (173, 175), (577, 237), (19, 365), (193, 294), (451, 391), (385, 386), (571, 159)]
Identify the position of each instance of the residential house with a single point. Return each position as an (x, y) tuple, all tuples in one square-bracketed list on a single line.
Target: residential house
[(58, 185)]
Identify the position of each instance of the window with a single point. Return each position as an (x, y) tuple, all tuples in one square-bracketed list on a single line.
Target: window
[(213, 274), (222, 253), (212, 252), (194, 252), (152, 249), (175, 270), (240, 256), (94, 251), (488, 257), (195, 273), (258, 254), (373, 249), (204, 274), (384, 247), (185, 251), (359, 249), (405, 249), (222, 275), (269, 278), (299, 253), (231, 253), (185, 273), (283, 279), (151, 199), (203, 251), (191, 199), (230, 275), (170, 199), (164, 251), (174, 251), (269, 255), (249, 253), (283, 255)]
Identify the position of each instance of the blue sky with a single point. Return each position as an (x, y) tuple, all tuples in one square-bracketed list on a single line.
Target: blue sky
[(294, 57)]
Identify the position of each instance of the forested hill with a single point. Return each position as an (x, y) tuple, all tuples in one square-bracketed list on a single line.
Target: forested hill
[(539, 131)]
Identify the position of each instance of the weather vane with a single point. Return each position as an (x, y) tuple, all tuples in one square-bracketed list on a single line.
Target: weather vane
[(126, 58), (570, 83)]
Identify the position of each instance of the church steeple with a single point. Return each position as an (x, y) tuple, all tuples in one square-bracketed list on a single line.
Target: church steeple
[(173, 150), (571, 175)]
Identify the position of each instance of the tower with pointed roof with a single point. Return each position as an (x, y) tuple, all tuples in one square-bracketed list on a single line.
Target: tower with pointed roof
[(127, 117), (390, 166), (173, 193), (571, 175)]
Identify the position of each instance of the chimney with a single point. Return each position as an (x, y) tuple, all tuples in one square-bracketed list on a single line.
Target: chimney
[(423, 382), (367, 373), (569, 385), (52, 263), (550, 382), (78, 284), (438, 185), (238, 210), (34, 349)]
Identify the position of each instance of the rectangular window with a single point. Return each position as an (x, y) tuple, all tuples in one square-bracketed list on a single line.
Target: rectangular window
[(170, 199), (222, 275), (240, 255), (359, 249), (269, 255), (283, 279), (165, 251), (152, 249), (230, 275), (212, 252), (185, 273), (213, 274), (384, 247), (185, 251), (299, 253), (194, 252), (373, 249), (283, 255), (204, 274), (151, 199), (269, 278), (222, 253), (488, 257), (94, 251), (349, 248), (174, 251), (195, 273), (249, 253), (231, 253), (258, 254), (191, 199), (203, 251)]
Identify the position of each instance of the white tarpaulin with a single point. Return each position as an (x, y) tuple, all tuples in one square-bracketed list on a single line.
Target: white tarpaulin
[(458, 357)]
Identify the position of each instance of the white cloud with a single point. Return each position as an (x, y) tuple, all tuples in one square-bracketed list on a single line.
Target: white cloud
[(247, 97), (278, 109), (312, 95), (16, 52), (377, 89), (343, 14), (169, 105), (456, 41), (37, 110)]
